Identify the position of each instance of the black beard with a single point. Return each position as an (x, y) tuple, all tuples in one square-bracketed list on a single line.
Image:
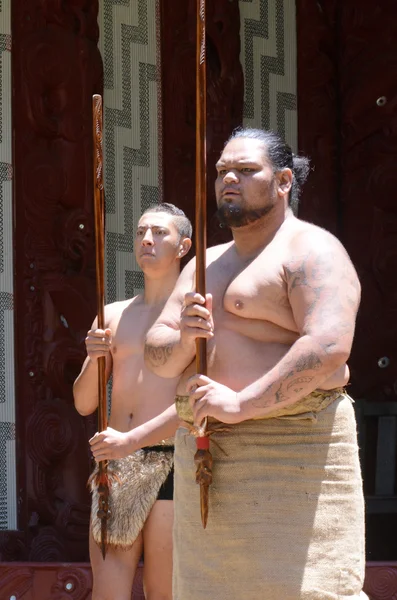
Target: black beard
[(230, 215)]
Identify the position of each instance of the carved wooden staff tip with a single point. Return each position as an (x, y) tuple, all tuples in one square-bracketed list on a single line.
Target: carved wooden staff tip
[(102, 479), (203, 457)]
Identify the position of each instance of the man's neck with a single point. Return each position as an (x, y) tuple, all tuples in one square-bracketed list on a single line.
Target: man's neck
[(158, 289), (251, 239)]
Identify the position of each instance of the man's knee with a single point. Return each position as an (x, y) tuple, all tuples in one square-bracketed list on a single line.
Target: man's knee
[(104, 587)]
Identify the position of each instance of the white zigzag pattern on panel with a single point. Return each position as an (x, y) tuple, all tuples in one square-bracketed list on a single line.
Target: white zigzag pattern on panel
[(268, 56), (129, 50), (8, 500)]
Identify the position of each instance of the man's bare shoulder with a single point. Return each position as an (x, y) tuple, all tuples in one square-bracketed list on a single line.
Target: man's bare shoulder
[(304, 236), (212, 254), (215, 252), (313, 255), (116, 309)]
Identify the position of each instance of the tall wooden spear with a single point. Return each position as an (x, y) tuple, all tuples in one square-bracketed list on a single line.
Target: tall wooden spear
[(102, 479), (203, 457)]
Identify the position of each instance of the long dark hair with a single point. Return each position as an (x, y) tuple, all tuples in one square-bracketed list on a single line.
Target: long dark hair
[(280, 155)]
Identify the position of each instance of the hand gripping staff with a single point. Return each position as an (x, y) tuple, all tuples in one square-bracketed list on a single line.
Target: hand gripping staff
[(103, 479), (203, 457)]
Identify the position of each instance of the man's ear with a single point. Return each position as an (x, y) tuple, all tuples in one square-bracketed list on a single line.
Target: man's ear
[(284, 181), (184, 246)]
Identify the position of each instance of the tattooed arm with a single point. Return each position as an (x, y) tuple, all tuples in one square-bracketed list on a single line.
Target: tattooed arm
[(166, 354), (324, 293)]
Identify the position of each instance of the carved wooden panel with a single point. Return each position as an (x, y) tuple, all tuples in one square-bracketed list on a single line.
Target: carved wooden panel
[(29, 581), (224, 98), (367, 58), (348, 125), (56, 69), (318, 133), (381, 581)]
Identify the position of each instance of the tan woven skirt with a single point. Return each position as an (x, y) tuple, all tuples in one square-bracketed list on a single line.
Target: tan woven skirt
[(286, 513)]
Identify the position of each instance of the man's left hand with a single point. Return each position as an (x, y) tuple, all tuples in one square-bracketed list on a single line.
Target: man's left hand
[(110, 444), (211, 399)]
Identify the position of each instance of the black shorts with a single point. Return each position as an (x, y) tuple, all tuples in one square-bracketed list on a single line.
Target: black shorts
[(166, 492)]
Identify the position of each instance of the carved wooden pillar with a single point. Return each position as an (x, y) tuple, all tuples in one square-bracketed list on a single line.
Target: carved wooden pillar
[(224, 98), (348, 126), (56, 69), (318, 116)]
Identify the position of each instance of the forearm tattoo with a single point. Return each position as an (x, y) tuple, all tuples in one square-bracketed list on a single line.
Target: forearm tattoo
[(158, 356), (280, 396), (295, 376), (297, 384)]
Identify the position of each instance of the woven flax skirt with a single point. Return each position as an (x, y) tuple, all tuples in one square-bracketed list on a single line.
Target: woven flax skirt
[(286, 514)]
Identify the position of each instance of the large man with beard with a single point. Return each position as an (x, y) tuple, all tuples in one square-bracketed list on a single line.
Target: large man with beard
[(286, 518)]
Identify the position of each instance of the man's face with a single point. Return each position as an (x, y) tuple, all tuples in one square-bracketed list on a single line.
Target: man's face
[(157, 242), (246, 186)]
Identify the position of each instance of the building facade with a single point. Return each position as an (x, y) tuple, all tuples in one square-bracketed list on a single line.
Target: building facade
[(321, 73)]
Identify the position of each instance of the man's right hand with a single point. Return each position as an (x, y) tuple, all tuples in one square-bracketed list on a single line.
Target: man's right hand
[(196, 318), (98, 343)]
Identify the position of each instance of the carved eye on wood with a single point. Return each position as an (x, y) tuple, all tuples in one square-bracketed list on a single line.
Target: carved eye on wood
[(49, 433), (47, 547)]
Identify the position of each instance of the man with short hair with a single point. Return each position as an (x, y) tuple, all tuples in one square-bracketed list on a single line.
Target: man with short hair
[(286, 511), (141, 498)]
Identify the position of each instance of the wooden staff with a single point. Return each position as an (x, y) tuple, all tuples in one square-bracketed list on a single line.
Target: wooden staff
[(203, 457), (102, 479)]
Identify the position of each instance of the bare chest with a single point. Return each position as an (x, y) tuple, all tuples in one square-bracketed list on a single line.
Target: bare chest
[(129, 333), (256, 290)]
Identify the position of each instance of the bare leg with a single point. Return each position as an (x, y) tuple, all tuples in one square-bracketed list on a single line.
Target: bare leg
[(157, 541), (114, 576)]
